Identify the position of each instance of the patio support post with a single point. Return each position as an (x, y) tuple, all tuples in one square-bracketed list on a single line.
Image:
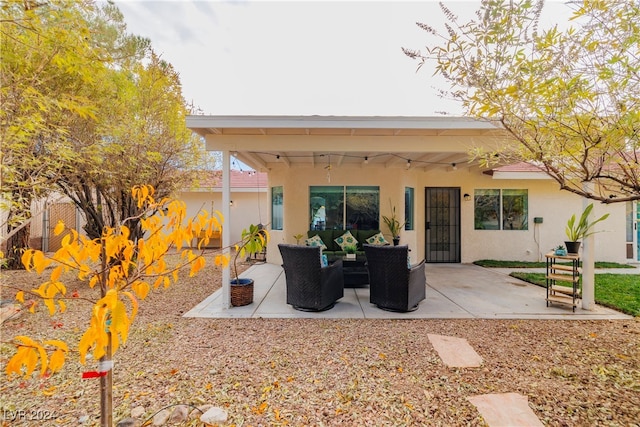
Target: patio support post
[(588, 262), (226, 227)]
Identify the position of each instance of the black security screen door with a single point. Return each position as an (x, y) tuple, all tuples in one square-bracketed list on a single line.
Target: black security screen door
[(442, 215)]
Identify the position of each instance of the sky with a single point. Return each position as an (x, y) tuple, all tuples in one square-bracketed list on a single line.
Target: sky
[(298, 57)]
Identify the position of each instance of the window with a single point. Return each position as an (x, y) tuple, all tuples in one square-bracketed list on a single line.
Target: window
[(344, 208), (408, 208), (501, 210), (277, 214)]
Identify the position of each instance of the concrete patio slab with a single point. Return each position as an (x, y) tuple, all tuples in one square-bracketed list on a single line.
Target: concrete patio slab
[(454, 291), (505, 410), (455, 352)]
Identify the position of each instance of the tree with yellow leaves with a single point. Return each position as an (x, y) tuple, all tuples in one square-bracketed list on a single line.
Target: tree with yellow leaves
[(126, 271)]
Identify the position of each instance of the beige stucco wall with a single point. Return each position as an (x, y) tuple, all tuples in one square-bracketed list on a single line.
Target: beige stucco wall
[(296, 181), (545, 200), (248, 208)]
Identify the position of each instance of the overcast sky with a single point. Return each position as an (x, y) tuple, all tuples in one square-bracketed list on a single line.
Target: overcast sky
[(298, 57)]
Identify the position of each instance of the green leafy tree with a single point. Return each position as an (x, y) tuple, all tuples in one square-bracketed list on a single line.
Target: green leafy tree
[(51, 58), (140, 135), (569, 97), (90, 111)]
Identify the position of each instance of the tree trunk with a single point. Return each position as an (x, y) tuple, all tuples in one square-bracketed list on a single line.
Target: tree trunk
[(16, 245), (106, 389), (106, 382)]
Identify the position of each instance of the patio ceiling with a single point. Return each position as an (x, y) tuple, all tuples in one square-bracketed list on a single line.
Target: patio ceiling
[(416, 142)]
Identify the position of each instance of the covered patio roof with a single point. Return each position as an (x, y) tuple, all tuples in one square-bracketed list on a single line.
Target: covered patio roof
[(424, 142)]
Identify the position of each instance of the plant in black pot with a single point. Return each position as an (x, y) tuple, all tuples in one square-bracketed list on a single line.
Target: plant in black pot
[(578, 229), (393, 225), (253, 241)]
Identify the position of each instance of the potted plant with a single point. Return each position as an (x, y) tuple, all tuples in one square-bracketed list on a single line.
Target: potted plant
[(298, 237), (578, 230), (253, 240), (351, 251), (560, 250), (393, 225)]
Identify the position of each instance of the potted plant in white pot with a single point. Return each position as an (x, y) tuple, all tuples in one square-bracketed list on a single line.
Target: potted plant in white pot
[(578, 230), (253, 240), (394, 225), (351, 251)]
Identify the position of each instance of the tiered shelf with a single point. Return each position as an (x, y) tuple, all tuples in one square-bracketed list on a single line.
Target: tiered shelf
[(568, 272)]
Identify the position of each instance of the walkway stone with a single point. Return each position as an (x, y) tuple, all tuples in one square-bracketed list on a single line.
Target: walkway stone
[(505, 410), (455, 352)]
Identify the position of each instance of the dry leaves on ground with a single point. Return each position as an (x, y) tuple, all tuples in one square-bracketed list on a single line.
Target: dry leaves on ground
[(333, 372)]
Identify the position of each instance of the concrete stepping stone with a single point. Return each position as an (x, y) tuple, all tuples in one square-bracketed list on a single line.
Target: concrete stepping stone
[(505, 410), (455, 352)]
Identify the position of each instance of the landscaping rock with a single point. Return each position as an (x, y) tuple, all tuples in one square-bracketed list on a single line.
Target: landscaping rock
[(9, 311), (161, 417), (138, 412), (195, 414), (214, 415), (128, 422), (179, 414)]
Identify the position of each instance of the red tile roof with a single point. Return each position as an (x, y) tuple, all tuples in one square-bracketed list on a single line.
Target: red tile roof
[(239, 179)]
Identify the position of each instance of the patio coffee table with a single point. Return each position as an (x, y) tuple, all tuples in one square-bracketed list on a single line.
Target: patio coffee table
[(355, 272)]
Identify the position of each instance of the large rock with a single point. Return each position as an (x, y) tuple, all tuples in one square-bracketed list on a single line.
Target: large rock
[(214, 416)]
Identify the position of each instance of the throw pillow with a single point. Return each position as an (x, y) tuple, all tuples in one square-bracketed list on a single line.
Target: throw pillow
[(315, 241), (346, 239), (378, 240)]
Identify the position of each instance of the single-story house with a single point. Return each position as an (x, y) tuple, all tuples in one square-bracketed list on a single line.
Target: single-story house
[(346, 173)]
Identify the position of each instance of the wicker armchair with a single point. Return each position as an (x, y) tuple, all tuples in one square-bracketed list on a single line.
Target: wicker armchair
[(392, 285), (310, 287)]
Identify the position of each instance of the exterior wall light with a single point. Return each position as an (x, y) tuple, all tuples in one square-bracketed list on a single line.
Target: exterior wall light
[(467, 197)]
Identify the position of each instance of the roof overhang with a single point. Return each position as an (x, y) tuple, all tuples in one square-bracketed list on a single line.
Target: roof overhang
[(264, 142)]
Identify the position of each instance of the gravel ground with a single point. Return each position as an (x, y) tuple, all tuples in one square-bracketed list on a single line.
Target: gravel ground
[(311, 372)]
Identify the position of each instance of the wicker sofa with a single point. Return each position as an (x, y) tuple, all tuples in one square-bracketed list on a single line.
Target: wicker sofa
[(334, 251)]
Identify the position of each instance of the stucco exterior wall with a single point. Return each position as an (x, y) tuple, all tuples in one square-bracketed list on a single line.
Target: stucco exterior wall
[(296, 181), (544, 200), (248, 208)]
